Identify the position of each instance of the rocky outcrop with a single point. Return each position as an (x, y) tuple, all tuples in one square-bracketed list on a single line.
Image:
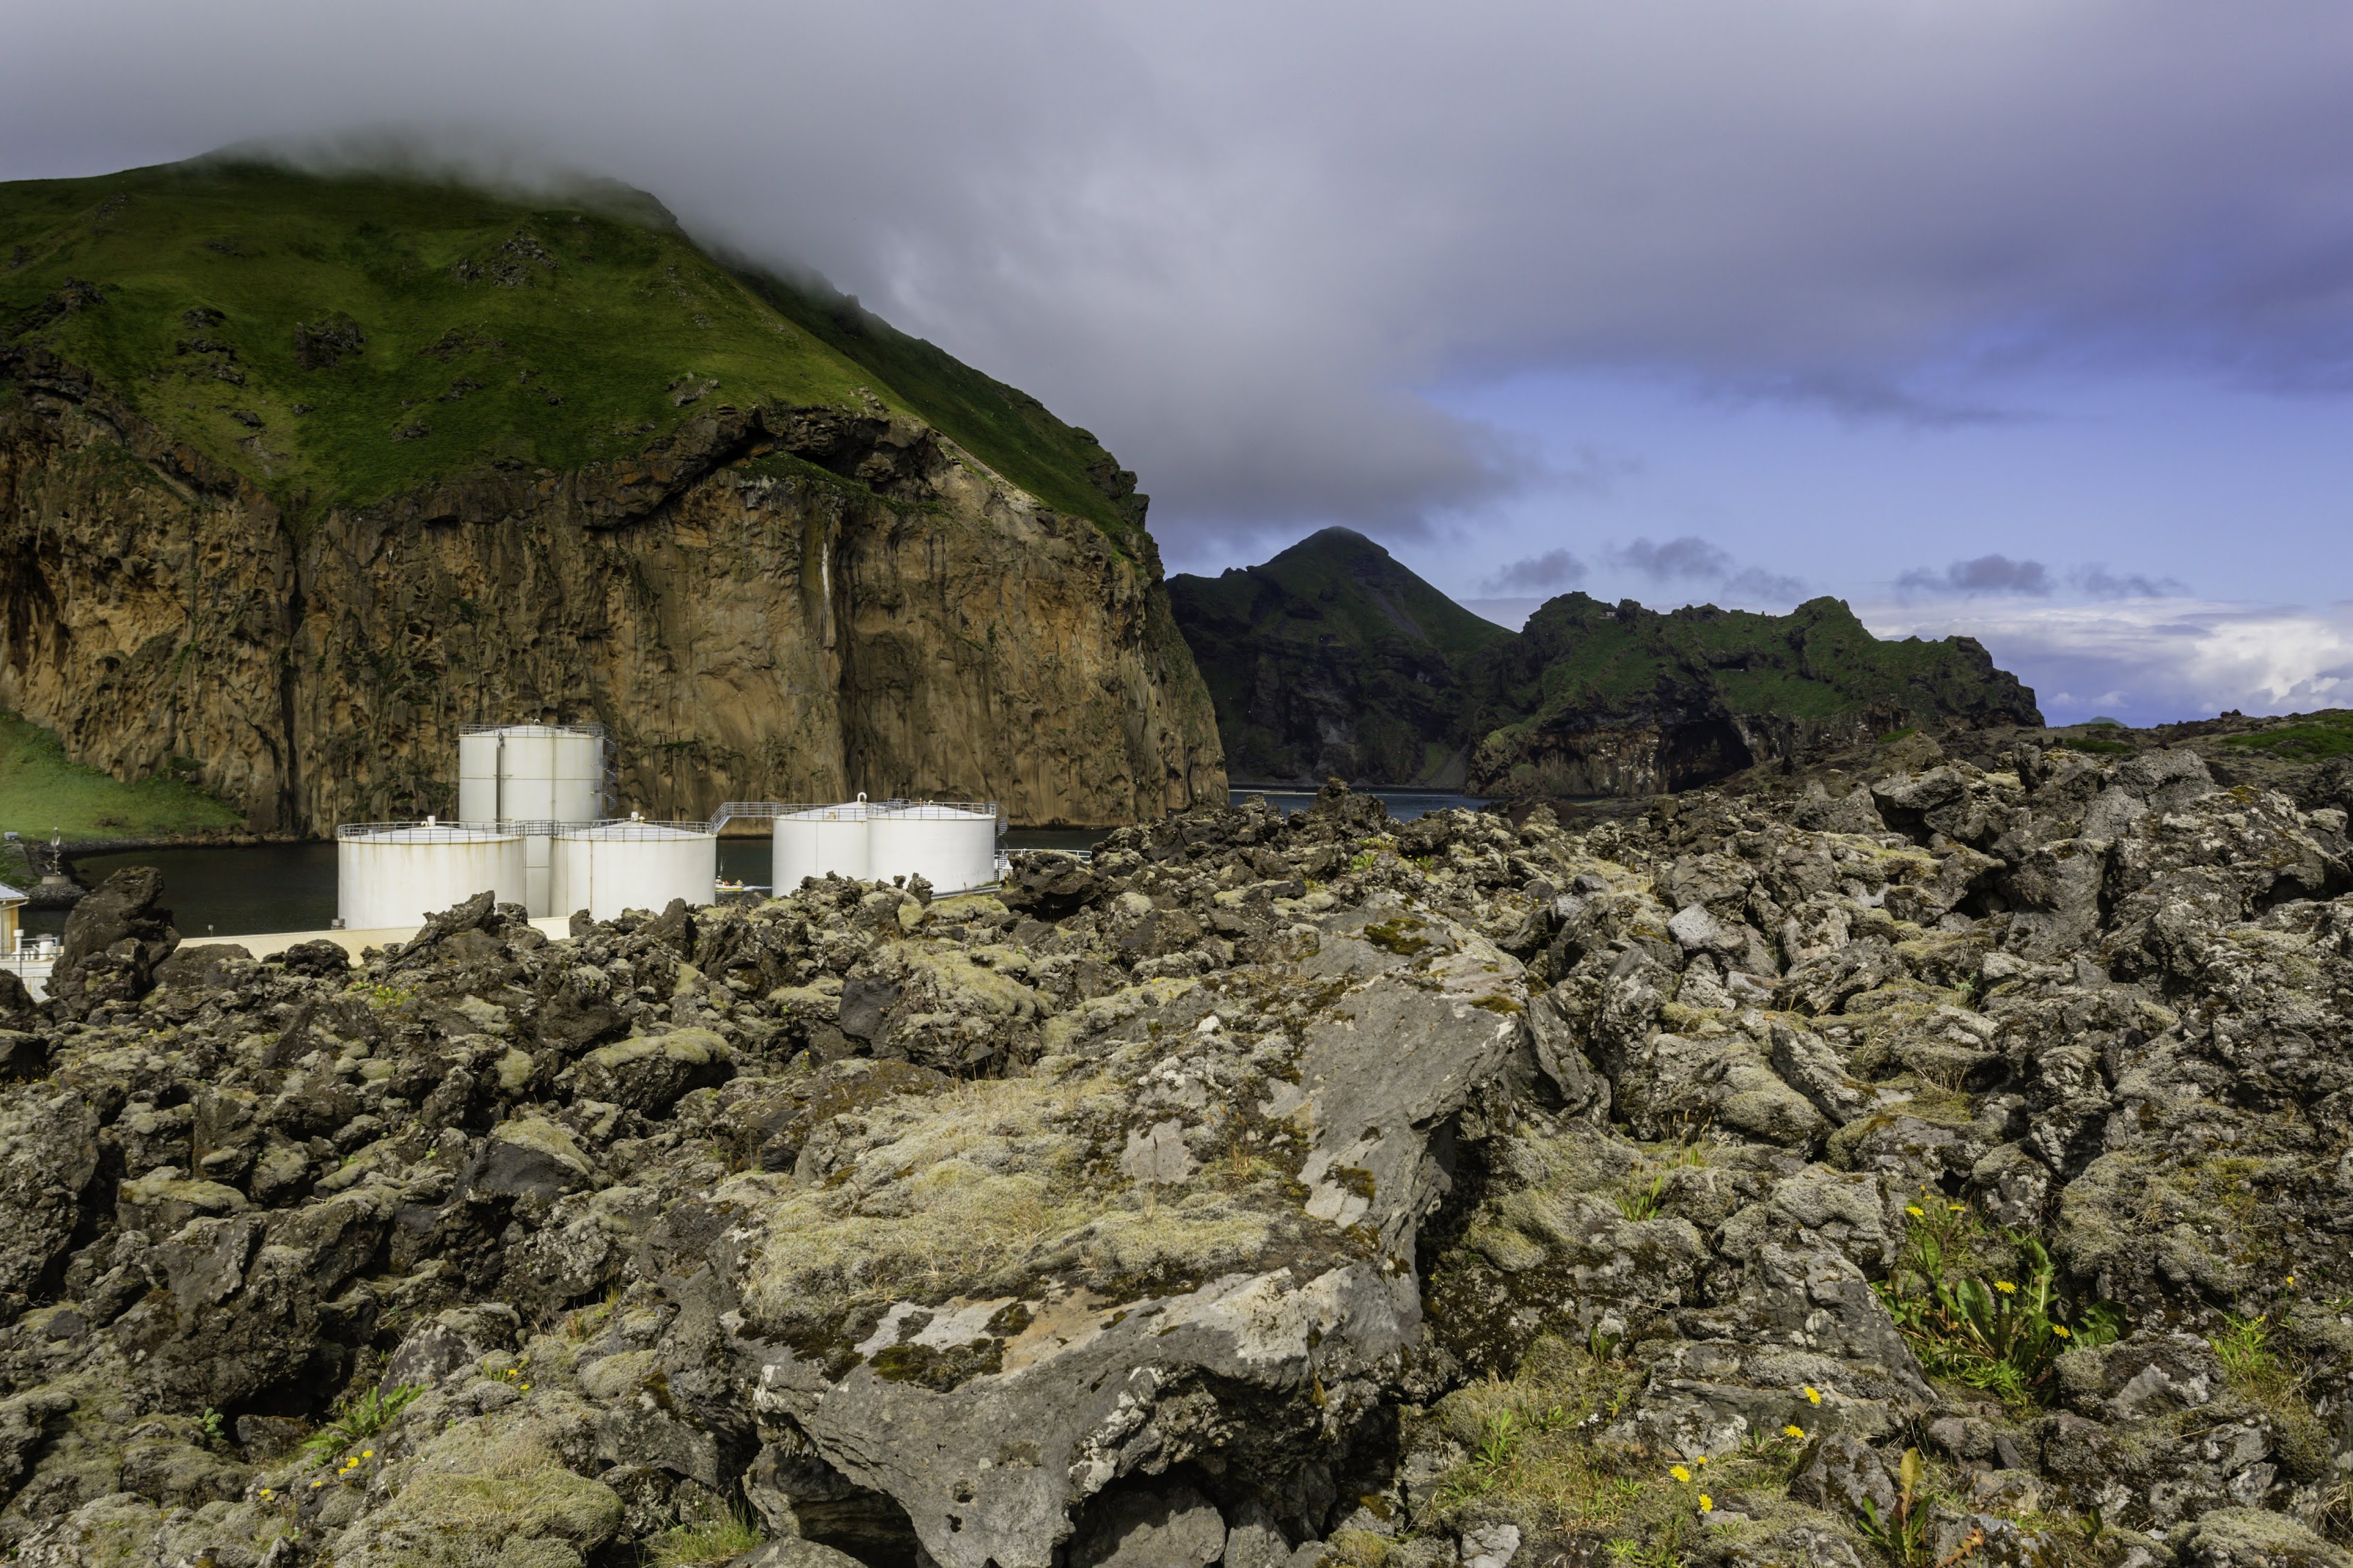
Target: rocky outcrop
[(1332, 660), (778, 602), (1617, 699), (1806, 1180)]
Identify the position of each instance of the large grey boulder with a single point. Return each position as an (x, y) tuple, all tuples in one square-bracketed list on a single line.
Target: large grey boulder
[(1150, 1527), (994, 1405), (113, 940)]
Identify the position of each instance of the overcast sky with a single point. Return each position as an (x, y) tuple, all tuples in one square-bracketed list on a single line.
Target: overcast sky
[(2033, 318)]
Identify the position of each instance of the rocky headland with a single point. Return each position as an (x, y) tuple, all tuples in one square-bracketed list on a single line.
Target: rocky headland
[(1948, 1169), (299, 475), (1333, 661)]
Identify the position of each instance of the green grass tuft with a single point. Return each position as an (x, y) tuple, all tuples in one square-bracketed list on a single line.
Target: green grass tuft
[(714, 1539), (362, 1418)]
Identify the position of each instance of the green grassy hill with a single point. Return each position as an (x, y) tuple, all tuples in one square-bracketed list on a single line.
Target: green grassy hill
[(341, 339), (1579, 655)]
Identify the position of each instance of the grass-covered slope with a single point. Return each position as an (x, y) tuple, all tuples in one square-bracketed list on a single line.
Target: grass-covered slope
[(345, 338), (41, 792), (1333, 658)]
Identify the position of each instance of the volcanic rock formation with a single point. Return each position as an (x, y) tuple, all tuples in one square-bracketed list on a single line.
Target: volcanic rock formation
[(1945, 1169)]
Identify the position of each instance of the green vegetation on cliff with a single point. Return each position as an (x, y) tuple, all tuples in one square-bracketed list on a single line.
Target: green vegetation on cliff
[(1333, 658), (1617, 699), (340, 339), (40, 792)]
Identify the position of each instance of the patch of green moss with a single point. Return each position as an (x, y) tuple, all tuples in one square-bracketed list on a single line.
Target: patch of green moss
[(939, 1369), (478, 1485), (1397, 936)]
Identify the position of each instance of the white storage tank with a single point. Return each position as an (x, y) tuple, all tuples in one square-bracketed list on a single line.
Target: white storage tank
[(819, 841), (609, 866), (532, 773), (952, 846), (395, 874)]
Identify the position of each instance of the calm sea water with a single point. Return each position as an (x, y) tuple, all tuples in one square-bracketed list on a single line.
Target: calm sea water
[(292, 887)]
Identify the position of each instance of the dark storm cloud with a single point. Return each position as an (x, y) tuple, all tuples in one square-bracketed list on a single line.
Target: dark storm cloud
[(1685, 560), (1689, 560), (2098, 582), (1550, 572), (1984, 574), (1999, 575), (1242, 243)]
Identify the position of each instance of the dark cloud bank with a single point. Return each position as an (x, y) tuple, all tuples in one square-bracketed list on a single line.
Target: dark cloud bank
[(1238, 240)]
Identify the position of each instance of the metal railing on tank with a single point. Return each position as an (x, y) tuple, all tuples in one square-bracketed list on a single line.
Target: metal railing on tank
[(853, 810), (433, 830), (629, 827)]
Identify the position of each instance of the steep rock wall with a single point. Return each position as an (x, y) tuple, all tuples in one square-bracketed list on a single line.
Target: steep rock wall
[(773, 603)]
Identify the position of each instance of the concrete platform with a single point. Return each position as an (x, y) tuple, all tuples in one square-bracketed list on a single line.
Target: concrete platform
[(262, 945)]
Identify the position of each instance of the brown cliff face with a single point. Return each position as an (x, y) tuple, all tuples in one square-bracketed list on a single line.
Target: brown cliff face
[(771, 603)]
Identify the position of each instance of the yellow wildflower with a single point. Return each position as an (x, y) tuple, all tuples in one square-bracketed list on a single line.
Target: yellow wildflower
[(1813, 1394), (526, 1388), (1700, 1461), (1915, 1210), (2005, 1286), (1793, 1430), (2059, 1329), (2291, 1280), (1955, 1209), (367, 1453), (1707, 1503), (1679, 1473)]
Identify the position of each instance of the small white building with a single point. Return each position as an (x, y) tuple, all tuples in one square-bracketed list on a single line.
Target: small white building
[(30, 960)]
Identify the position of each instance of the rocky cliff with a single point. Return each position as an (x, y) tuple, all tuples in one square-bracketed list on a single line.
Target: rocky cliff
[(289, 557), (1332, 659), (1941, 1171)]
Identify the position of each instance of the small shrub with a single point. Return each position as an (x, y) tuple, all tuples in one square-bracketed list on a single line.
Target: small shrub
[(361, 1418), (2000, 1335)]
